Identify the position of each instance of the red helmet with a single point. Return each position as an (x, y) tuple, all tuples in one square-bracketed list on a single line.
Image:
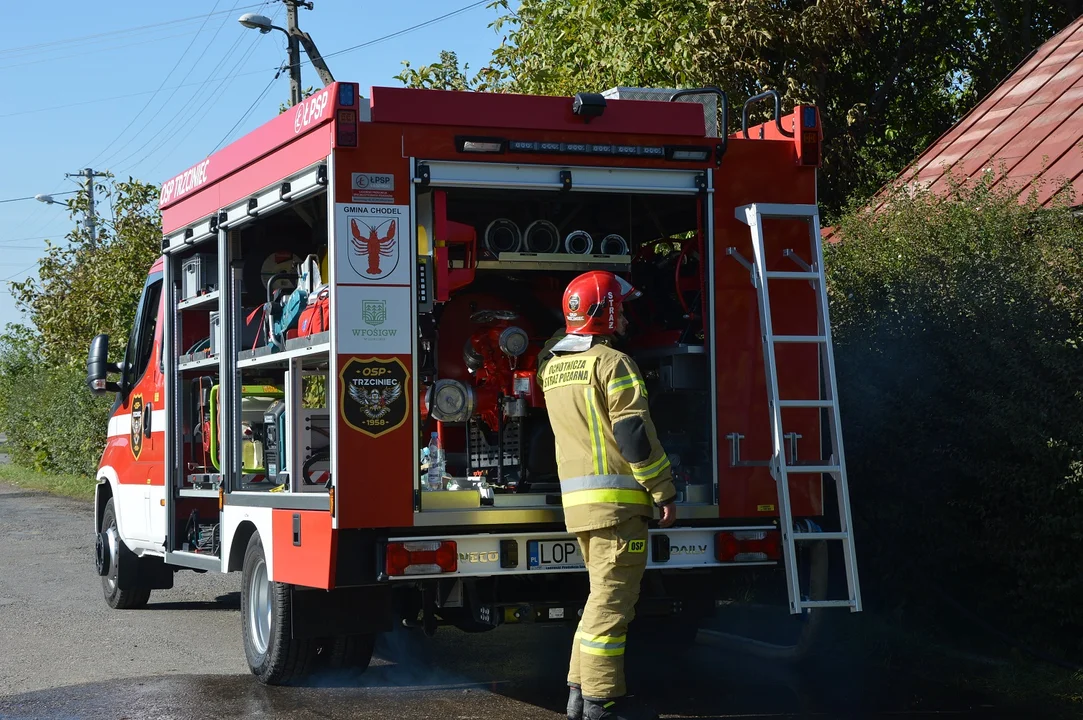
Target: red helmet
[(592, 303)]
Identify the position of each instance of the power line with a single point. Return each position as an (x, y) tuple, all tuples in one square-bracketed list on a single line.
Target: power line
[(247, 113), (25, 48), (94, 51), (126, 96), (68, 105), (357, 47), (24, 270), (165, 104), (32, 197), (389, 36), (207, 103), (164, 81)]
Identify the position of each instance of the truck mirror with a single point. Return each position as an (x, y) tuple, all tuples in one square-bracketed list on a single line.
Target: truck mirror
[(98, 367)]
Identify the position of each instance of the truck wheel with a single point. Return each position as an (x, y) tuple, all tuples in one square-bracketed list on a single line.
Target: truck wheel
[(117, 565), (273, 655)]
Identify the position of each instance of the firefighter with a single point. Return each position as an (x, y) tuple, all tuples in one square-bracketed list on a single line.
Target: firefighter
[(612, 473)]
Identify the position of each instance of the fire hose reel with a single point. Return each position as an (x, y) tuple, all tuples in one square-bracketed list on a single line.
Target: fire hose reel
[(613, 244), (579, 242), (542, 236), (503, 236)]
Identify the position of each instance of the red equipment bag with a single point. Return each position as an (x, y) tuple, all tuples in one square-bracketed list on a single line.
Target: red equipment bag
[(315, 318)]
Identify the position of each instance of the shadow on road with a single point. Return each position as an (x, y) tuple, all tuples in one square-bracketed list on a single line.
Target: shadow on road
[(518, 672), (229, 601)]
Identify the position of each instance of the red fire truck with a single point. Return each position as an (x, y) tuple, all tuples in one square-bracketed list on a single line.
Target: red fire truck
[(331, 382)]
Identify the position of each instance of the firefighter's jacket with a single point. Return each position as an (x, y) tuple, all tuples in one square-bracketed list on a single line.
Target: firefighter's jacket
[(609, 460)]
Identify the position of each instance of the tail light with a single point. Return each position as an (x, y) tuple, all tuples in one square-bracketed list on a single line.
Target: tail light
[(748, 546), (808, 135), (346, 128), (422, 557)]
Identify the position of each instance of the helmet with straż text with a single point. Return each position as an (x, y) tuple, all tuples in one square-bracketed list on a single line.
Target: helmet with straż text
[(592, 303)]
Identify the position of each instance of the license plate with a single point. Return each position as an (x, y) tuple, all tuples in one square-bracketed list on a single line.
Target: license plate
[(554, 555)]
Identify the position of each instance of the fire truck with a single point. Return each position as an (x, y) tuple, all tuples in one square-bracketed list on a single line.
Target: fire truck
[(331, 383)]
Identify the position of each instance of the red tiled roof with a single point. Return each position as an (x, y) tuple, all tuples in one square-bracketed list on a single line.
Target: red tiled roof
[(1029, 129)]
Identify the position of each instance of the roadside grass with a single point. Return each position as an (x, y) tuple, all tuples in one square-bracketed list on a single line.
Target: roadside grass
[(79, 488)]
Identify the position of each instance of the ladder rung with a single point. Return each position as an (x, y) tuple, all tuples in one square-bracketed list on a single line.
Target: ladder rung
[(821, 536), (812, 469), (825, 604), (805, 404), (792, 275), (799, 338)]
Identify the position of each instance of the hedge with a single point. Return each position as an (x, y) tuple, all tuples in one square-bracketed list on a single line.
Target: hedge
[(958, 323)]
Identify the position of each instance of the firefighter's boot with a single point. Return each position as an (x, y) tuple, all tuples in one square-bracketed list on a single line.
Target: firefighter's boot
[(575, 702), (622, 708)]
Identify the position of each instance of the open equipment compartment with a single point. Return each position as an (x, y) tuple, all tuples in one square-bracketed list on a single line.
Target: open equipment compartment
[(500, 260), (247, 318)]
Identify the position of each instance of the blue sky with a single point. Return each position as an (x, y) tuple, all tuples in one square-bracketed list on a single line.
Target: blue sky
[(91, 85)]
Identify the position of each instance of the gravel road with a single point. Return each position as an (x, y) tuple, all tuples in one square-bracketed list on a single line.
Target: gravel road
[(65, 654)]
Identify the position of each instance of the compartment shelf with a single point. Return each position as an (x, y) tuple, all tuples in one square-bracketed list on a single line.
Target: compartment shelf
[(552, 261), (303, 350), (199, 301), (196, 364), (192, 492)]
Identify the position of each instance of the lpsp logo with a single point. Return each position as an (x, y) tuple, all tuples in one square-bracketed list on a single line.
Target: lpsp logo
[(310, 111)]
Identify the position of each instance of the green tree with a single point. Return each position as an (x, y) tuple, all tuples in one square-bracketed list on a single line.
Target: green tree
[(446, 74), (84, 288), (888, 76)]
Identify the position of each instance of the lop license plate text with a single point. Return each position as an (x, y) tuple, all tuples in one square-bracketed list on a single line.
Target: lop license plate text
[(554, 555)]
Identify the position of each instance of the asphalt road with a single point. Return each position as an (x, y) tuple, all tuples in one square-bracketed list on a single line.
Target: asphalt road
[(65, 654)]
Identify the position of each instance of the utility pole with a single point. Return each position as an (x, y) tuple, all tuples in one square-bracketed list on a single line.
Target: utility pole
[(91, 222), (292, 32), (296, 38)]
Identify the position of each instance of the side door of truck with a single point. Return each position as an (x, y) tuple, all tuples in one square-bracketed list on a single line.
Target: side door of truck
[(142, 416)]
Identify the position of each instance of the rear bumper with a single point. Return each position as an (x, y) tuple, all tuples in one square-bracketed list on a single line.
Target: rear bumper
[(518, 553)]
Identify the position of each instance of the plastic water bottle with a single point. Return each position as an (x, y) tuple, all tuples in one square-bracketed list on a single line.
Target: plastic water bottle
[(436, 464)]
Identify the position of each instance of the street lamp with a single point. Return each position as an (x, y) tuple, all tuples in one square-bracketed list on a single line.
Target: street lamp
[(47, 199), (296, 39), (254, 21)]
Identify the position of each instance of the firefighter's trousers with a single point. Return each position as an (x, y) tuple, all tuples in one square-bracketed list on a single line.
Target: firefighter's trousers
[(615, 558)]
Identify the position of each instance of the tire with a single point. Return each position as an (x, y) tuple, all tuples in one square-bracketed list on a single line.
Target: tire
[(353, 652), (123, 566), (274, 657)]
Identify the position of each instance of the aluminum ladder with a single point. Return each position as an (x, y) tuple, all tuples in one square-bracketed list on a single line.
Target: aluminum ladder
[(781, 469)]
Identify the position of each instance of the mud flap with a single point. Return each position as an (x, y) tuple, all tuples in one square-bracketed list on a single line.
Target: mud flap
[(343, 611), (146, 573)]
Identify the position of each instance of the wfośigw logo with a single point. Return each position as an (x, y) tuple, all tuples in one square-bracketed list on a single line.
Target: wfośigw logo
[(374, 312), (375, 248)]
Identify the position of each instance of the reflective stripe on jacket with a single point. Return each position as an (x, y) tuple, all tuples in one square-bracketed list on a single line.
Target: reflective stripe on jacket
[(610, 462)]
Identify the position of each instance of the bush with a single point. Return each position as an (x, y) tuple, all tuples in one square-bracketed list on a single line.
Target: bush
[(52, 422), (958, 324)]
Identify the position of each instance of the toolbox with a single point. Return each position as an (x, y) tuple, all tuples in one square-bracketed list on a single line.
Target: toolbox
[(200, 276)]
